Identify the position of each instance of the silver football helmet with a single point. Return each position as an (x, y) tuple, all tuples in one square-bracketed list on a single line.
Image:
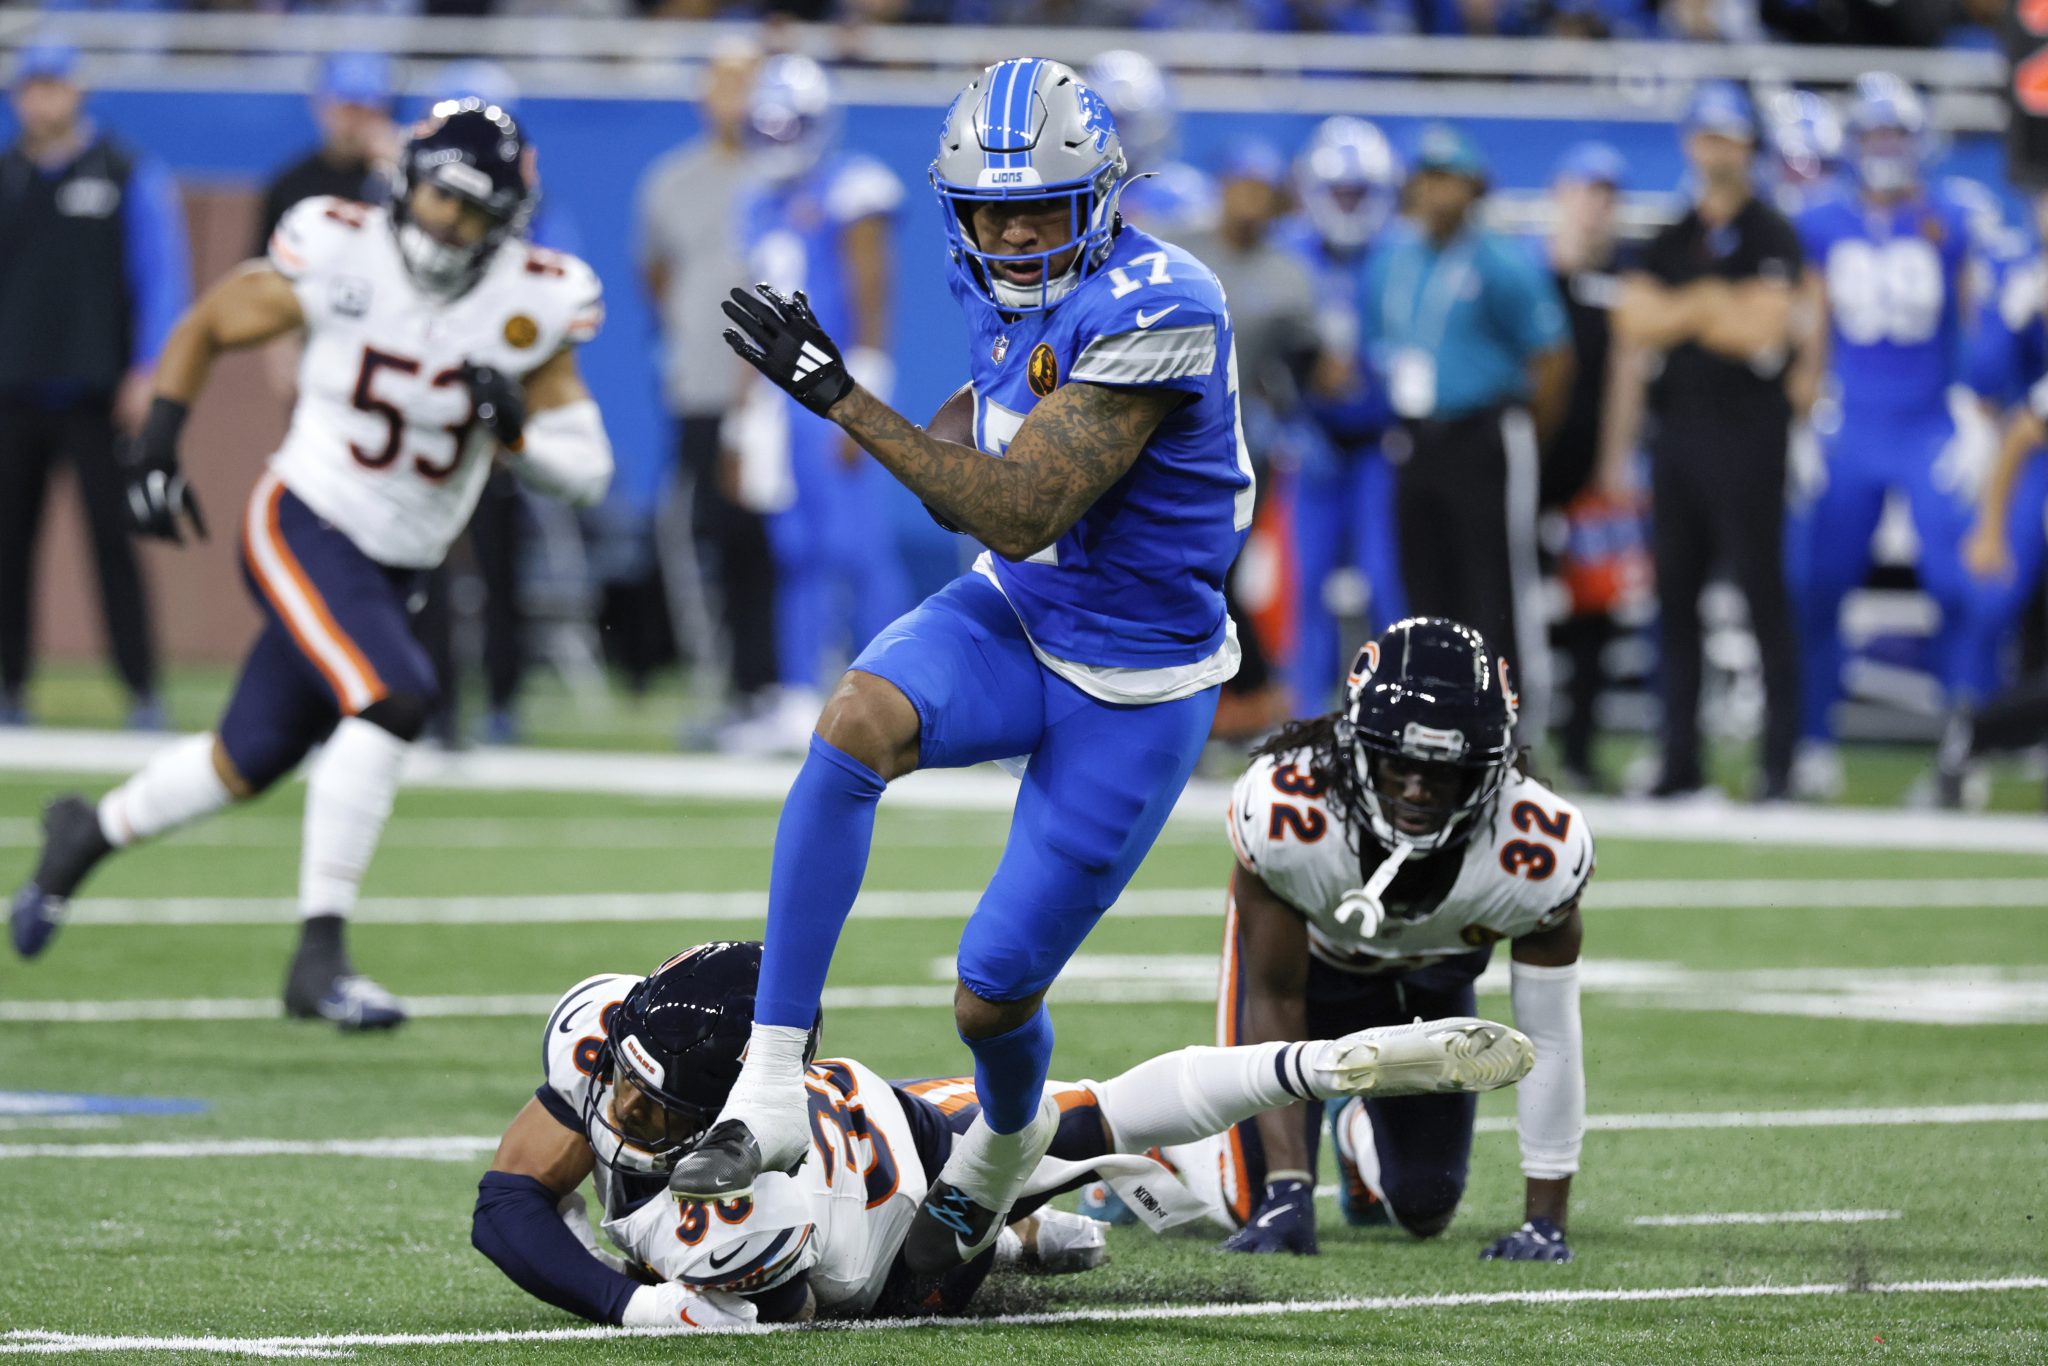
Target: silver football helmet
[(1029, 130), (1349, 180)]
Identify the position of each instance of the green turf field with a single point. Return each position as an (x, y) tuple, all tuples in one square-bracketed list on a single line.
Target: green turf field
[(1691, 1011)]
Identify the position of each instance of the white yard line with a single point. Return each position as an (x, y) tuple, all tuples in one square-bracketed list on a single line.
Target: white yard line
[(987, 789), (1152, 903), (1797, 1216), (463, 1147), (24, 1342)]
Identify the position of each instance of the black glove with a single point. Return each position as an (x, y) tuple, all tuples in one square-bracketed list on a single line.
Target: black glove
[(1539, 1240), (157, 492), (500, 403), (788, 346)]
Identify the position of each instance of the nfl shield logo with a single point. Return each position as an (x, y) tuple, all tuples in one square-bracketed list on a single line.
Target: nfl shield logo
[(999, 350)]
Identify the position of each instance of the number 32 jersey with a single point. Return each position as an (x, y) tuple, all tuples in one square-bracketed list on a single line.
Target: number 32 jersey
[(841, 1215), (382, 442), (1522, 866)]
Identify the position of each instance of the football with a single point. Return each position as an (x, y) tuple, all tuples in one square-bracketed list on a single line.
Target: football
[(954, 421)]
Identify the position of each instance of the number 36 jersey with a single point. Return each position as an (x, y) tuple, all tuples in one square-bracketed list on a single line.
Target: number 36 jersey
[(1523, 865), (382, 442), (840, 1216)]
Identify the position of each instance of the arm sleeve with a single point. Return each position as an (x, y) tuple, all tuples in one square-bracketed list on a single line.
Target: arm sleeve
[(1550, 1103), (516, 1225), (565, 454), (158, 264)]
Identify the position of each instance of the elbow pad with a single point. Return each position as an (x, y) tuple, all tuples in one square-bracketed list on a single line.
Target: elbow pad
[(1550, 1103), (518, 1227), (566, 454)]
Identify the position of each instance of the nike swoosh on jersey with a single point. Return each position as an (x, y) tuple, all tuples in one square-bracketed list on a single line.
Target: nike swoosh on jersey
[(720, 1265), (1145, 319), (1580, 864)]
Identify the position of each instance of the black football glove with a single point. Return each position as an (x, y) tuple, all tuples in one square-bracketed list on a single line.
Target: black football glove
[(500, 403), (784, 342), (157, 491), (1539, 1240)]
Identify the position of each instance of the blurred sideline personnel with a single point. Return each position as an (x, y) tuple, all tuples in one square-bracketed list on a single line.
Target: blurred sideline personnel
[(358, 142), (635, 1067), (1166, 196), (1470, 337), (689, 253), (1382, 850), (1714, 302), (1272, 310), (1890, 271), (818, 219), (2008, 527), (1109, 480), (437, 343), (93, 273), (1348, 181), (1603, 528)]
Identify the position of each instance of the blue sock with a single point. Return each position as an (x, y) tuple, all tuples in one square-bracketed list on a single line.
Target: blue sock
[(821, 855), (1009, 1072)]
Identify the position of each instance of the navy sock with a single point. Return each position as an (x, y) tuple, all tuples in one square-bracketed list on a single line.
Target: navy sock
[(1009, 1072), (821, 855)]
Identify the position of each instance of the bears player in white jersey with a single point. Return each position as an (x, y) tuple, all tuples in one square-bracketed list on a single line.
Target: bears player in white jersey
[(1382, 850), (637, 1068), (436, 341)]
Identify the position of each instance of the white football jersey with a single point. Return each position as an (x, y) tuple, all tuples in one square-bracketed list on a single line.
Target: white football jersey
[(1527, 860), (381, 442), (841, 1216)]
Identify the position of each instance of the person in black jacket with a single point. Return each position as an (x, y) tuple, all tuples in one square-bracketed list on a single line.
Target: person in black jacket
[(358, 141), (93, 273)]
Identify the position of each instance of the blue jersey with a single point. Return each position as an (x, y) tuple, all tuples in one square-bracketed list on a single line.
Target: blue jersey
[(792, 230), (2008, 337), (1137, 582), (1895, 279), (1359, 417)]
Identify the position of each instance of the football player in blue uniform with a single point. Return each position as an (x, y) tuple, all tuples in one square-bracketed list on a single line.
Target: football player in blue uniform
[(1803, 150), (1891, 265), (820, 221), (1106, 473), (1348, 179)]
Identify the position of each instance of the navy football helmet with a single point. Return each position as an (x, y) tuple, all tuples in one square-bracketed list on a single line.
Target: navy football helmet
[(1431, 719), (678, 1038), (476, 152)]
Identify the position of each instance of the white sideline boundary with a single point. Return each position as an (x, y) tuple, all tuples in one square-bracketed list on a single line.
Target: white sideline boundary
[(465, 1147), (22, 1342), (1797, 1216), (1144, 903), (989, 789)]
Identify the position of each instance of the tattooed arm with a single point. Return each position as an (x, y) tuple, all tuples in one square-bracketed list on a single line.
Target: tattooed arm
[(1075, 444)]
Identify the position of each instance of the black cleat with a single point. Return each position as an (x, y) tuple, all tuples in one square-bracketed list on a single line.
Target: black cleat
[(324, 985), (721, 1167), (72, 844), (949, 1228)]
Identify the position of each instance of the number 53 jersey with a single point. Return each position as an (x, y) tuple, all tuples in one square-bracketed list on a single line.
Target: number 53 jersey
[(1524, 863), (383, 443)]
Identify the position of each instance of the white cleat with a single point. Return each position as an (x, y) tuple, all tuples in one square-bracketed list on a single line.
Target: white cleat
[(1052, 1242), (1431, 1057)]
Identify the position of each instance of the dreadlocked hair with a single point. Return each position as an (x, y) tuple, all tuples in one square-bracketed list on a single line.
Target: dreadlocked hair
[(1327, 738)]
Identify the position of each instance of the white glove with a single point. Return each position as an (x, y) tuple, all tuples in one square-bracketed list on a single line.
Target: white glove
[(669, 1305)]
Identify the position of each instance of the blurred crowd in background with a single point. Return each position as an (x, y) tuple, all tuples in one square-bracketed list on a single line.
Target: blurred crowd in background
[(1913, 23), (1526, 420)]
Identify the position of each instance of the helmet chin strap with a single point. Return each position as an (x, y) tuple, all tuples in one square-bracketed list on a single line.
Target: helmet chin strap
[(1363, 904)]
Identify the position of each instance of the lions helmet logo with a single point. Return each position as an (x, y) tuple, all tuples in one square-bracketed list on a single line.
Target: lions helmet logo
[(521, 331), (1042, 373), (1095, 116)]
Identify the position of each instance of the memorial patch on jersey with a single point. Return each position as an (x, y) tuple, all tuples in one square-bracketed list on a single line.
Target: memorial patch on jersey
[(349, 296), (1042, 372), (521, 331)]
